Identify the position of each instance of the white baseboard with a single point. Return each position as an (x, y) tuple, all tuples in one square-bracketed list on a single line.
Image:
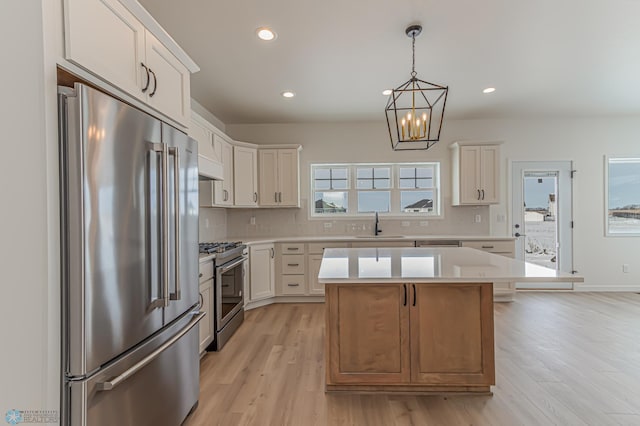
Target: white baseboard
[(613, 288), (283, 299)]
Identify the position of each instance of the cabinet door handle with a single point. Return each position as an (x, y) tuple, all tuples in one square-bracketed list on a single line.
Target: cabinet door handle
[(414, 294), (405, 295), (146, 86), (200, 274), (155, 83), (293, 264), (226, 195), (276, 196), (280, 196), (255, 197), (483, 194), (478, 194), (272, 253), (293, 284)]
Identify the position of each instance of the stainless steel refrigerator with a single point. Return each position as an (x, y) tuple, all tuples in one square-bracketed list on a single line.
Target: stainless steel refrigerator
[(129, 213)]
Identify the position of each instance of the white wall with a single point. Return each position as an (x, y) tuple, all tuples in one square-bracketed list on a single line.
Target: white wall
[(583, 140), (29, 360)]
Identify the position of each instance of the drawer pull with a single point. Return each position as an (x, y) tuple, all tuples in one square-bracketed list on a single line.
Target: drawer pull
[(293, 248), (293, 284), (225, 285), (487, 246), (293, 264)]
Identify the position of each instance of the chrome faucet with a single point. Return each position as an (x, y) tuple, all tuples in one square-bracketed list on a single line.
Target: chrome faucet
[(377, 229)]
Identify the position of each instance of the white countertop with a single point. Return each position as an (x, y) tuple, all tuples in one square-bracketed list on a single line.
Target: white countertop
[(353, 238), (415, 265)]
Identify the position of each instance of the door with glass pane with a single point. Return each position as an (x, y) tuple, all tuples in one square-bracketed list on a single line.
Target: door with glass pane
[(542, 216)]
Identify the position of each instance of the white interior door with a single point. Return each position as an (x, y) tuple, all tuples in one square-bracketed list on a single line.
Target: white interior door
[(542, 216)]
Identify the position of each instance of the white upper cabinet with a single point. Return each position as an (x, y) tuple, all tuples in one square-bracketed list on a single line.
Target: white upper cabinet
[(106, 39), (245, 176), (279, 177), (169, 90), (224, 188), (476, 173)]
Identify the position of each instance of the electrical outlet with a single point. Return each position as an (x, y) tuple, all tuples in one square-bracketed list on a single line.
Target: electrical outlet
[(478, 219), (252, 220), (327, 225), (625, 268), (404, 224), (424, 223)]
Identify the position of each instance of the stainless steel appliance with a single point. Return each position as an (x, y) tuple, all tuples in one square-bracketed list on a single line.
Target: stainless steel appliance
[(129, 212), (230, 265)]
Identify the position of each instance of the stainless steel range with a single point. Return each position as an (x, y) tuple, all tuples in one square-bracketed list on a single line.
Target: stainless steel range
[(230, 265)]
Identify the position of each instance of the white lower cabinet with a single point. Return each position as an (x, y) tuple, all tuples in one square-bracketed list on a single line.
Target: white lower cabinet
[(293, 269), (315, 287), (502, 292), (262, 271), (206, 294)]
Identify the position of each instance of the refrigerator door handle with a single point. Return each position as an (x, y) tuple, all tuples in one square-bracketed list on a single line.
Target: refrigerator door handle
[(159, 301), (109, 385), (162, 149), (176, 230)]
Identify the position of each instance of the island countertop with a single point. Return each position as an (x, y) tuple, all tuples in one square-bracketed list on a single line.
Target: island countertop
[(437, 265)]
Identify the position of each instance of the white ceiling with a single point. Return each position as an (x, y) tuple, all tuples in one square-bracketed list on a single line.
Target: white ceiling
[(545, 57)]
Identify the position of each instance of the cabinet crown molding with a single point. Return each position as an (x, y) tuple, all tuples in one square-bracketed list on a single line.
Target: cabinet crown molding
[(156, 29)]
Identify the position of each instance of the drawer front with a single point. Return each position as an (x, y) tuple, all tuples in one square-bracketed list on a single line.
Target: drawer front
[(505, 248), (292, 264), (292, 248), (206, 271), (293, 284), (318, 248)]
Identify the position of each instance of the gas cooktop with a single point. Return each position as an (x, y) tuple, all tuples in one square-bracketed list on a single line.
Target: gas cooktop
[(209, 248)]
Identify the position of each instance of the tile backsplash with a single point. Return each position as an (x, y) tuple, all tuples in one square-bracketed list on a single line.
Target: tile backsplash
[(213, 224), (248, 223)]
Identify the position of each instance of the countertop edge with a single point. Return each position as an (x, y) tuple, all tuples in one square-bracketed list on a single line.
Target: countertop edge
[(312, 239)]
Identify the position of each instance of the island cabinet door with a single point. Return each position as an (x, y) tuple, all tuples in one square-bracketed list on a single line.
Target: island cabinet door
[(368, 334), (452, 334)]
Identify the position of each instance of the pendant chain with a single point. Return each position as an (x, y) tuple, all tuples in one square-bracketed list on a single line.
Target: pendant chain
[(413, 63)]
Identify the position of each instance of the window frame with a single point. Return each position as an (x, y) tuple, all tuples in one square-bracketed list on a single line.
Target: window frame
[(607, 162), (394, 191)]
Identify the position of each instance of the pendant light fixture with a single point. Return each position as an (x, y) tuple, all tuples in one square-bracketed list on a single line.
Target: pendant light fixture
[(415, 109)]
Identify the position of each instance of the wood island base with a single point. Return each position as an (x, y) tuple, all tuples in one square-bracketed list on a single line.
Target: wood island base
[(418, 338)]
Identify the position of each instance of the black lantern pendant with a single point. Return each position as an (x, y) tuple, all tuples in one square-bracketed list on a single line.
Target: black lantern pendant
[(415, 108)]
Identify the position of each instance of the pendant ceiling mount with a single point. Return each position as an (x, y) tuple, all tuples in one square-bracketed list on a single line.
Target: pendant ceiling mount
[(415, 109)]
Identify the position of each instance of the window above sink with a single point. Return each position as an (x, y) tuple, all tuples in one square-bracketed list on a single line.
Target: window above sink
[(361, 189)]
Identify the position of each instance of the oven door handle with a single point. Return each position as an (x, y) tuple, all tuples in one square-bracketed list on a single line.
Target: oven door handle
[(227, 267)]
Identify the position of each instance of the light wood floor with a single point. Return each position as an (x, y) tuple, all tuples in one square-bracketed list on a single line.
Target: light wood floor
[(561, 359)]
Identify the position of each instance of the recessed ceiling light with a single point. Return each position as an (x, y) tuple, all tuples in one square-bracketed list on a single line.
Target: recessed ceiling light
[(387, 92), (288, 94), (489, 90), (266, 34)]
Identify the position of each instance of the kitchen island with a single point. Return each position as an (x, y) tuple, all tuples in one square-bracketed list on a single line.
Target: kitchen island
[(415, 320)]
